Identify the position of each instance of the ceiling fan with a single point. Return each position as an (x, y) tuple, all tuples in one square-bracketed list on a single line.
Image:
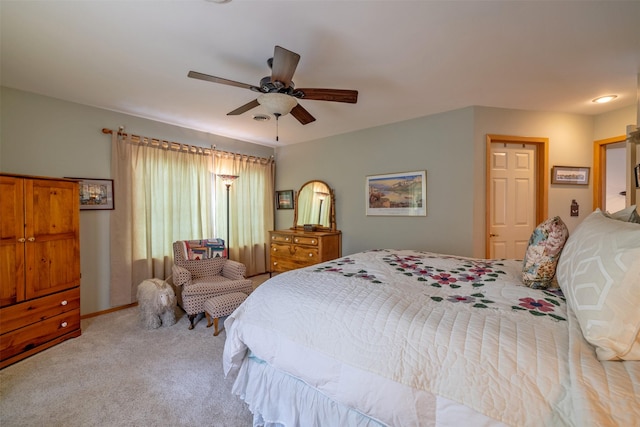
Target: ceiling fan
[(279, 96)]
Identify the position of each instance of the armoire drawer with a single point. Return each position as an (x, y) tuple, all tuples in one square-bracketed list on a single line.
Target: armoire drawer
[(35, 310), (37, 334)]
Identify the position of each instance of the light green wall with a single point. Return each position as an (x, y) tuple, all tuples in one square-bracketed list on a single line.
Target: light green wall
[(451, 147), (49, 137), (439, 144)]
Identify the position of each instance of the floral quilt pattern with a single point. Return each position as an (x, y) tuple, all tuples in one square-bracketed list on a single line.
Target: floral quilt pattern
[(477, 283)]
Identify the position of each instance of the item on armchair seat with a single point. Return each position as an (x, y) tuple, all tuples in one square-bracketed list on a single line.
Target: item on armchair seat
[(198, 280), (203, 249), (156, 304)]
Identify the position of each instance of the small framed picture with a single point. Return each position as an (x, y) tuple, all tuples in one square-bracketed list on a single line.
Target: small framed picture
[(573, 175), (284, 199), (637, 174), (95, 194)]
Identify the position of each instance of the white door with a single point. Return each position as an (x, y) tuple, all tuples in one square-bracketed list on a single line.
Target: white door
[(512, 199)]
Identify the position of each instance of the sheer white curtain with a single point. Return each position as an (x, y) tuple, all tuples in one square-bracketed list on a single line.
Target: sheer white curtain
[(162, 193), (251, 202)]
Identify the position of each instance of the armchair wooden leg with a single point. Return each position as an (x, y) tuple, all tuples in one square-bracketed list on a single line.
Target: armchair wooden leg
[(191, 319)]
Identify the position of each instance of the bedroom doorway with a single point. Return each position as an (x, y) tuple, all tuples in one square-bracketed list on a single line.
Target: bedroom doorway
[(516, 193), (609, 163)]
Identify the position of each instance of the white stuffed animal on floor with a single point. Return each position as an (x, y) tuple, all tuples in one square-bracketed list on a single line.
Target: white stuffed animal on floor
[(157, 304)]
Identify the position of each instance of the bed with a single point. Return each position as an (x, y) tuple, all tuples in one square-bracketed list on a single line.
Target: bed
[(411, 338)]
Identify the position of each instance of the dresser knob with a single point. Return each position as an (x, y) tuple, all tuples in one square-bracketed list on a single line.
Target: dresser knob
[(64, 324), (310, 255), (64, 302), (313, 242), (275, 249), (297, 240)]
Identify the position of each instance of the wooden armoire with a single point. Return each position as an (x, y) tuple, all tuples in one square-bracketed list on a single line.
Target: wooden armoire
[(39, 264)]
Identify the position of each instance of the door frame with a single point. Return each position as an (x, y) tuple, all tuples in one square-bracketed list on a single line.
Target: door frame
[(541, 177), (600, 167)]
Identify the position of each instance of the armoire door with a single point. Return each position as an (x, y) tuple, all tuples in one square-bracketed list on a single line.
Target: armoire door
[(52, 251), (11, 240)]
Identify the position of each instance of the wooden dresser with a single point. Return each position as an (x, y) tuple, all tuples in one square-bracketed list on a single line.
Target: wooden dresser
[(291, 249), (39, 264)]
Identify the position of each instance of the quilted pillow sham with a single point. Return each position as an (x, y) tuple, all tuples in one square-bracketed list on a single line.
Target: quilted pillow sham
[(543, 251), (599, 273), (629, 214)]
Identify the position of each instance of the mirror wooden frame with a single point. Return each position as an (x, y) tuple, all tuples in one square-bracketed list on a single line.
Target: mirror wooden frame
[(332, 210)]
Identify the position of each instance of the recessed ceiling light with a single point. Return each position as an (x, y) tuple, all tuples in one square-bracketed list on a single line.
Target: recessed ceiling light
[(604, 99), (261, 117)]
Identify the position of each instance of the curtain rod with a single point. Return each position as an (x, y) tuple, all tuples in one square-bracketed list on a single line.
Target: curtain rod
[(178, 145)]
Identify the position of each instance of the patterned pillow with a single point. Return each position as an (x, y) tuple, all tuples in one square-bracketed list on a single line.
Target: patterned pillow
[(599, 273), (543, 251)]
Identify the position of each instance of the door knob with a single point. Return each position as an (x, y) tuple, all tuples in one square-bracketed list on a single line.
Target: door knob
[(493, 235)]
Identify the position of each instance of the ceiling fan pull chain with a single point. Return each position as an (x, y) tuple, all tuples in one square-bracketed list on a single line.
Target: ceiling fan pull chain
[(277, 130)]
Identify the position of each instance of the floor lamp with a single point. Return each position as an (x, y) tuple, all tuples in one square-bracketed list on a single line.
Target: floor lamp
[(321, 196), (227, 180)]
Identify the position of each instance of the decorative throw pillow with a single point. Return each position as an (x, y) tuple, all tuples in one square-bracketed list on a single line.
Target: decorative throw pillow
[(629, 214), (599, 273), (543, 251)]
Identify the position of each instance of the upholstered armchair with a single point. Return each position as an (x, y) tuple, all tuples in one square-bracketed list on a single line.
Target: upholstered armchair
[(200, 275)]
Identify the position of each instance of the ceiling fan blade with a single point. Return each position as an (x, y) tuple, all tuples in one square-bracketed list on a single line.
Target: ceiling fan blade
[(335, 95), (284, 65), (246, 107), (208, 78), (302, 115)]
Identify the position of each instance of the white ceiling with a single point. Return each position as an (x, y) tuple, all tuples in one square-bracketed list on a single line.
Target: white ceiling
[(407, 59)]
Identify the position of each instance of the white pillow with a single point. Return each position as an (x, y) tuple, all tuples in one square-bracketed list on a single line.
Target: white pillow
[(599, 273), (628, 214)]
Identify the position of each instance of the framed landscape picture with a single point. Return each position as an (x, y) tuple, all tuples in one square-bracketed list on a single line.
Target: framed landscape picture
[(284, 199), (397, 194), (95, 194)]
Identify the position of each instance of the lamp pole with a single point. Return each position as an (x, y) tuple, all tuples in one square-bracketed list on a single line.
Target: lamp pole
[(227, 180)]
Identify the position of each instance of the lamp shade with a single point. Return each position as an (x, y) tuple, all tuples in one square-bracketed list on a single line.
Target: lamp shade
[(278, 104), (227, 179)]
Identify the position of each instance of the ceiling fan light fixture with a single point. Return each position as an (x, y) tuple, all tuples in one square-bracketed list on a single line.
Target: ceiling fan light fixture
[(278, 104), (261, 117), (604, 99)]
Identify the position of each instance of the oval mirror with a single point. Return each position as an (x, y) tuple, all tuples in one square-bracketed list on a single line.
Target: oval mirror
[(315, 205)]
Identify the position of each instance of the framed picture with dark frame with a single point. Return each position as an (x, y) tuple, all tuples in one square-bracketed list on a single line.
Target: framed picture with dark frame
[(284, 199), (95, 194), (637, 175), (572, 175)]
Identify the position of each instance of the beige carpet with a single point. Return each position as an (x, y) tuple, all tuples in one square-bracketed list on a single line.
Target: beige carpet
[(118, 374)]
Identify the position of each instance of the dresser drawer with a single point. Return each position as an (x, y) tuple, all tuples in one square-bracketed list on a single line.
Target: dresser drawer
[(303, 240), (279, 265), (284, 238), (307, 255), (32, 336), (36, 310)]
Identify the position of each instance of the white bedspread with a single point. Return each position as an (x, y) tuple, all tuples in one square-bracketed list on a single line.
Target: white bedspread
[(455, 327)]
